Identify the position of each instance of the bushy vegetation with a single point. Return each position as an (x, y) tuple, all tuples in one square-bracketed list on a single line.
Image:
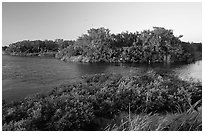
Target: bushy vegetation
[(93, 102), (149, 46), (99, 45), (192, 50), (38, 46)]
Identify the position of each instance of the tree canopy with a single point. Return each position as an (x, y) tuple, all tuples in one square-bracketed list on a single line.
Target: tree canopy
[(100, 45)]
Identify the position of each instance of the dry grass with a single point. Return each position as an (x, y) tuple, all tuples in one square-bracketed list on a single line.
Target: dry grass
[(190, 120)]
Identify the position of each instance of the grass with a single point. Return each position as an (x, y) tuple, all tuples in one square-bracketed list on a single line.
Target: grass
[(190, 120)]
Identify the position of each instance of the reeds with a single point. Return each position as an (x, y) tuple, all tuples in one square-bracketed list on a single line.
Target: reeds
[(191, 120)]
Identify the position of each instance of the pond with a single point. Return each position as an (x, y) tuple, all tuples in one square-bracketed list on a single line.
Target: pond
[(23, 76)]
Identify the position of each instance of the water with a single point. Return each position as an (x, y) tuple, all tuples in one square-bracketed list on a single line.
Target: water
[(23, 76)]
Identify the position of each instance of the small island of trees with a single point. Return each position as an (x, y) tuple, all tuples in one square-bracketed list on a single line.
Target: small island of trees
[(99, 45)]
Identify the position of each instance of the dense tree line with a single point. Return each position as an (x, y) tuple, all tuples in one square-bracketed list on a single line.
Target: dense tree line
[(99, 45), (148, 46), (37, 46)]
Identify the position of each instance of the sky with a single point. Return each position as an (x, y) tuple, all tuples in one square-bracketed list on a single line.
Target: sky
[(68, 21)]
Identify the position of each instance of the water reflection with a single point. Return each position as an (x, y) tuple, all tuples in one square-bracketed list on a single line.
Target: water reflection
[(91, 68), (190, 72)]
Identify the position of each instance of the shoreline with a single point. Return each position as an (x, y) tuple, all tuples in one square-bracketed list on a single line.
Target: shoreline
[(43, 54), (84, 59)]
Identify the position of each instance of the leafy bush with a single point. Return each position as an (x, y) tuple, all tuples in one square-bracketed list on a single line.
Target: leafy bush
[(61, 112)]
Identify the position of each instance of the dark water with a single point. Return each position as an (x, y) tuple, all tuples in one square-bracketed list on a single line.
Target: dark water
[(23, 76)]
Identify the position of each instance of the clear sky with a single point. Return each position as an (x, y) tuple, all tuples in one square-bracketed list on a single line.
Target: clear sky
[(22, 21)]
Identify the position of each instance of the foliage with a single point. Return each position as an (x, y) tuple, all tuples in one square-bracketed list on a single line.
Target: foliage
[(62, 112), (77, 106), (99, 45), (37, 46), (193, 51), (62, 44), (148, 46), (187, 121), (69, 52)]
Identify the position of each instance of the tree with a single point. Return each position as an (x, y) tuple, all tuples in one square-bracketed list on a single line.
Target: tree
[(160, 43), (95, 44)]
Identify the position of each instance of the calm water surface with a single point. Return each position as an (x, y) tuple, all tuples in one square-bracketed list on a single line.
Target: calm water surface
[(23, 76)]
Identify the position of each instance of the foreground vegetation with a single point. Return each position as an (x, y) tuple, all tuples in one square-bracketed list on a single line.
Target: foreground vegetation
[(99, 45), (111, 102), (190, 120)]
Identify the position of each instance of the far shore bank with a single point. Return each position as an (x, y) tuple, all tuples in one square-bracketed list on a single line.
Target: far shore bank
[(84, 59), (46, 54)]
